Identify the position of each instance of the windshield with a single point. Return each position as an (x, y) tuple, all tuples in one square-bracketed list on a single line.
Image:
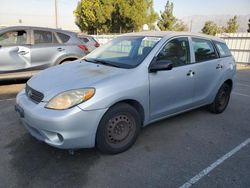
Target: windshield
[(123, 52)]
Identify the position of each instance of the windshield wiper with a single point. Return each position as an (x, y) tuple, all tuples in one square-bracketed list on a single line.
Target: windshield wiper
[(103, 62)]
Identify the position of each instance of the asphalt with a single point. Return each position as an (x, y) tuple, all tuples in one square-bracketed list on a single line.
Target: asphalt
[(167, 153)]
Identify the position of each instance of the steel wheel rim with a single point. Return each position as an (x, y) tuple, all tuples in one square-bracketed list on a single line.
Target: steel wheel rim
[(121, 129), (223, 98)]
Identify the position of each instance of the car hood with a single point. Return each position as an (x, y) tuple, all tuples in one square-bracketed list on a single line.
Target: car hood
[(75, 75)]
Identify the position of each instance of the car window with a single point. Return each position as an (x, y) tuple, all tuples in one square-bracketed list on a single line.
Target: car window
[(125, 51), (223, 49), (84, 39), (13, 38), (42, 37), (64, 38), (145, 45), (203, 50), (176, 51), (120, 49)]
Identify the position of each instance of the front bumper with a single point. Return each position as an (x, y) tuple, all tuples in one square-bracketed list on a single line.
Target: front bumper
[(67, 129)]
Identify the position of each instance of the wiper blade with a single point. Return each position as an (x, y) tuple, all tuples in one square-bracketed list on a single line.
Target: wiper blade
[(103, 62)]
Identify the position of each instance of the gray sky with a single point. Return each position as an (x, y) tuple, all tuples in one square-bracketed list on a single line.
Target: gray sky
[(41, 12)]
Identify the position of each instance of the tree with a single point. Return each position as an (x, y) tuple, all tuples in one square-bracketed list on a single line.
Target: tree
[(92, 15), (167, 19), (232, 25), (180, 26), (114, 15), (210, 28), (248, 26), (168, 22)]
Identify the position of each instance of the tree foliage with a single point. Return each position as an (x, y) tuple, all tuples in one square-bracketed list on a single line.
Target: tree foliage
[(99, 16), (232, 25), (167, 19), (248, 30), (210, 28), (168, 22)]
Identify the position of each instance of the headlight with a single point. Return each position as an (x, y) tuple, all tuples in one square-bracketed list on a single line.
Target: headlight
[(70, 98)]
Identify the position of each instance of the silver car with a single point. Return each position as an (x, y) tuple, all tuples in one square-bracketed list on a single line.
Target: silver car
[(24, 50), (105, 99), (89, 41)]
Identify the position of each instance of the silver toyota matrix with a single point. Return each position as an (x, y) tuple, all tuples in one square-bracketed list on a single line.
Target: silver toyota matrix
[(104, 99)]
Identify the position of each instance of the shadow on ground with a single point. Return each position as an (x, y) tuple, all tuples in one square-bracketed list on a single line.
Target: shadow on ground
[(33, 161)]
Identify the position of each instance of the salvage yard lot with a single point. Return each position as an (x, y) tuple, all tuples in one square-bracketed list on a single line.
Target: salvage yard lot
[(167, 154)]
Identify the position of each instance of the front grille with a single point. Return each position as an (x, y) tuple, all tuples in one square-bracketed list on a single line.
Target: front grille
[(33, 94)]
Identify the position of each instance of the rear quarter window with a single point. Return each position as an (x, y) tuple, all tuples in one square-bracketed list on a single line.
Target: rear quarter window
[(222, 49), (203, 50), (64, 38), (84, 39)]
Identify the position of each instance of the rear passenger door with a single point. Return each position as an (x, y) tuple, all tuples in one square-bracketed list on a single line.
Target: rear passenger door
[(45, 49), (208, 70)]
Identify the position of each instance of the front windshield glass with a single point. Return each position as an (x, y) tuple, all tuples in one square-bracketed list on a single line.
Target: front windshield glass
[(123, 52)]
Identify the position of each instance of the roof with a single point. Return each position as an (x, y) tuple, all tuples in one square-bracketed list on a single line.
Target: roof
[(172, 34), (33, 27)]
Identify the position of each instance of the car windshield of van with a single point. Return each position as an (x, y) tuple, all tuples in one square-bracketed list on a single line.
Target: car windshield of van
[(123, 52)]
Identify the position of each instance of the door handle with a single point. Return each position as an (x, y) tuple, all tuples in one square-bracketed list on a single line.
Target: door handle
[(219, 66), (60, 49), (23, 52), (190, 73)]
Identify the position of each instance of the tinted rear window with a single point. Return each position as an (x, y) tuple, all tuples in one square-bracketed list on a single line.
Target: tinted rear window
[(203, 50), (43, 37), (84, 39), (64, 38), (223, 49)]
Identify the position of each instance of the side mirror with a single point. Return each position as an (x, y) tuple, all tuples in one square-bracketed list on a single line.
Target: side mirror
[(160, 65)]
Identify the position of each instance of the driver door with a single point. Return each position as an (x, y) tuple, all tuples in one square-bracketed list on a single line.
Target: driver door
[(14, 50), (172, 91)]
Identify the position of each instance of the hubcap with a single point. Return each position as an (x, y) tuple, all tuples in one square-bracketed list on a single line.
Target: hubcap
[(223, 98), (120, 129)]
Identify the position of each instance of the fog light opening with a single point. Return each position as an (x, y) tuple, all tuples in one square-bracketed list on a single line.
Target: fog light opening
[(60, 137)]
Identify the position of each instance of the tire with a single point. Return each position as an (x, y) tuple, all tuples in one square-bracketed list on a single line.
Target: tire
[(221, 100), (118, 129), (66, 61)]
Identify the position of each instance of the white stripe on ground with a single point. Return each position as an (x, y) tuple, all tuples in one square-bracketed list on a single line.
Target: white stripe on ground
[(7, 99), (214, 165), (236, 93)]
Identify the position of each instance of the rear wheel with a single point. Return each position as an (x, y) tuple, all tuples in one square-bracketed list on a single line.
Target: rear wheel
[(118, 129), (221, 100)]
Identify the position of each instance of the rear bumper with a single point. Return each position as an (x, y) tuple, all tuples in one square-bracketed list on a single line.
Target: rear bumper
[(67, 129)]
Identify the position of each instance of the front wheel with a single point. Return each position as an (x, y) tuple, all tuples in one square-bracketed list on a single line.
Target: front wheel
[(221, 100), (118, 129)]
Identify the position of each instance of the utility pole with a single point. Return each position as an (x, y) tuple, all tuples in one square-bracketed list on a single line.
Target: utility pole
[(56, 18), (191, 25)]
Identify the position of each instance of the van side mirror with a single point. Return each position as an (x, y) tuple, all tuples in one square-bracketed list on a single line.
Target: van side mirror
[(160, 65)]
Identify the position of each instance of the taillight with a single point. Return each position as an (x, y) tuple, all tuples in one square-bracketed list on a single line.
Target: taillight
[(97, 44), (84, 48)]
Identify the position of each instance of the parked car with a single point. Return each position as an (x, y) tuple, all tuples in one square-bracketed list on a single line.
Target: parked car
[(24, 50), (105, 99), (89, 41)]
